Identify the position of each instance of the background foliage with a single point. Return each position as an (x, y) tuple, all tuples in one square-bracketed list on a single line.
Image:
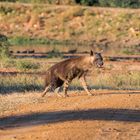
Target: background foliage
[(4, 50), (104, 3)]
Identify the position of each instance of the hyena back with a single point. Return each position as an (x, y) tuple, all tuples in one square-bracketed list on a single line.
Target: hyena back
[(64, 72)]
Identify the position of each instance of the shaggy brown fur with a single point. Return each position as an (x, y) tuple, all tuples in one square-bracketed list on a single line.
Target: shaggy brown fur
[(64, 72)]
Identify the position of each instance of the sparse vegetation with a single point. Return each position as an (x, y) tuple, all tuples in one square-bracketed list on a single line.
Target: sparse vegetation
[(26, 82), (39, 24), (133, 50), (19, 40), (4, 51), (127, 80), (23, 41), (20, 83), (116, 81), (4, 48), (26, 65), (54, 54), (108, 3)]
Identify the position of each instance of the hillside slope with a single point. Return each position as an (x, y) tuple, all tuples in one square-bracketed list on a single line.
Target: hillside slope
[(75, 23)]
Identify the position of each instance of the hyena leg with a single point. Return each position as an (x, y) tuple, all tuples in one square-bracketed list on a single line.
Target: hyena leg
[(51, 87), (57, 92), (65, 88), (48, 88), (84, 84)]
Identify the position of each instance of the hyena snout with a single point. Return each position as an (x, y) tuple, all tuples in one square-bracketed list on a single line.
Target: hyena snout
[(98, 60), (100, 64)]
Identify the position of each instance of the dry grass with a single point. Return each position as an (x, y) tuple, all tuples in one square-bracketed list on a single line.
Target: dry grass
[(28, 83), (116, 75), (116, 81), (21, 83)]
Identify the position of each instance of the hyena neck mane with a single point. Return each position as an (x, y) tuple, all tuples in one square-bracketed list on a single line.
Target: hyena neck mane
[(82, 62), (85, 62)]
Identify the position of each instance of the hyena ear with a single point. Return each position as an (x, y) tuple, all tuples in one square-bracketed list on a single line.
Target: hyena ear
[(91, 53)]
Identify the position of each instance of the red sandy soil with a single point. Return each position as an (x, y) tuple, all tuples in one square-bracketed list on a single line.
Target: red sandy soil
[(109, 115)]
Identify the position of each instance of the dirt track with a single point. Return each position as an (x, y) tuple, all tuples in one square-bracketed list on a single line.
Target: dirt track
[(108, 115)]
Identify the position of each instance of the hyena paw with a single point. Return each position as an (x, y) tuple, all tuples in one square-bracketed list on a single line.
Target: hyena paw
[(62, 95), (42, 95), (90, 94), (59, 95), (65, 95)]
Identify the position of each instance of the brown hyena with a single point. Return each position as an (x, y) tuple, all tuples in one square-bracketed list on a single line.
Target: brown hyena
[(64, 72)]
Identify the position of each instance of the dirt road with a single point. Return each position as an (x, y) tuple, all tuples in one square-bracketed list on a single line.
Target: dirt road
[(109, 115)]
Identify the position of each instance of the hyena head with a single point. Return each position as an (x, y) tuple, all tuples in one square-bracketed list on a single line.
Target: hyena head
[(96, 59)]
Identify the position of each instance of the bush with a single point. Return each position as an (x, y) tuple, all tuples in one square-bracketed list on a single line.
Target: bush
[(21, 40), (26, 65), (109, 3), (54, 53), (4, 49), (118, 3), (42, 1), (87, 2), (8, 63)]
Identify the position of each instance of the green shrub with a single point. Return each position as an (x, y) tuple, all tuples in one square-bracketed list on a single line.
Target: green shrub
[(54, 53), (26, 65), (21, 40), (4, 49), (87, 2), (8, 63), (110, 3), (118, 3), (4, 52)]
